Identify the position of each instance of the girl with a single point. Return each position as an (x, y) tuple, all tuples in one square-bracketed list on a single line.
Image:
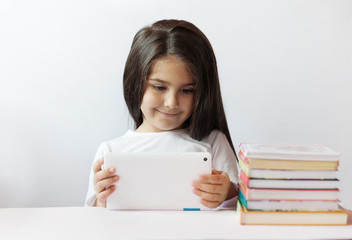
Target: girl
[(172, 91)]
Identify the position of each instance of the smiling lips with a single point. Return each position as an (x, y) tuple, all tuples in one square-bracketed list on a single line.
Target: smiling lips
[(166, 114)]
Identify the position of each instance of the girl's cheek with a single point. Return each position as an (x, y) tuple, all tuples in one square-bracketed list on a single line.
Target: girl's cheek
[(189, 102), (151, 98)]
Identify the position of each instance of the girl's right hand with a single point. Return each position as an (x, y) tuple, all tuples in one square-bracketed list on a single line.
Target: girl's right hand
[(103, 182)]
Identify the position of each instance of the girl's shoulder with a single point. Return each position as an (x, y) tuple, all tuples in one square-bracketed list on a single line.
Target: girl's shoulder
[(215, 136), (117, 141), (108, 145)]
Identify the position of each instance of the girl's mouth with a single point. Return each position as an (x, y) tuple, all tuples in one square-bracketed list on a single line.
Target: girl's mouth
[(168, 114)]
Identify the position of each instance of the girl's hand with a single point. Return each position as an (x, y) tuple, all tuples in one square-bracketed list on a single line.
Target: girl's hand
[(213, 189), (103, 180)]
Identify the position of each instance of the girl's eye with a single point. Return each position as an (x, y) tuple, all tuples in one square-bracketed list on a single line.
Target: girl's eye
[(158, 88), (187, 90)]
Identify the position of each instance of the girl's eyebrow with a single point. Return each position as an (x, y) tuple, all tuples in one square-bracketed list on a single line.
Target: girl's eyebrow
[(168, 83)]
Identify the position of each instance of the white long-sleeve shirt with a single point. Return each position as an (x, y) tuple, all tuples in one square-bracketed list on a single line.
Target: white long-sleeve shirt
[(223, 158)]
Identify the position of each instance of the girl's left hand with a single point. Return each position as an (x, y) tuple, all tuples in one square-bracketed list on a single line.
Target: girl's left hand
[(213, 188)]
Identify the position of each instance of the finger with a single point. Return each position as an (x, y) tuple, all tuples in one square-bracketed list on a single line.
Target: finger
[(206, 187), (106, 193), (105, 183), (210, 204), (213, 197), (97, 165), (216, 172), (213, 179), (105, 173)]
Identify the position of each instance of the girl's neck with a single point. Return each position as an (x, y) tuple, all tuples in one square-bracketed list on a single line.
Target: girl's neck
[(142, 129), (145, 128)]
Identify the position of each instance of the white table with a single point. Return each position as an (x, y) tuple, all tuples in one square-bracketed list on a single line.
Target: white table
[(100, 223)]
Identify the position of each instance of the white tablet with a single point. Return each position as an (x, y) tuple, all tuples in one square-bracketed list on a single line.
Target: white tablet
[(157, 181)]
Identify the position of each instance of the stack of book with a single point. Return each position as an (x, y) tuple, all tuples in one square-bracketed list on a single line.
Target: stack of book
[(289, 184)]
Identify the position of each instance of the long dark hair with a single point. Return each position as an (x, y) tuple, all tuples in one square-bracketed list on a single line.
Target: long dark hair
[(187, 43)]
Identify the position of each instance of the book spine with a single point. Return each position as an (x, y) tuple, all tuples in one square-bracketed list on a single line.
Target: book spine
[(244, 179), (242, 157), (242, 199), (244, 167), (243, 190)]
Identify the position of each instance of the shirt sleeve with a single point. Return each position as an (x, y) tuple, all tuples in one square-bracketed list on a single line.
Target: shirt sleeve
[(91, 197), (229, 204), (224, 159)]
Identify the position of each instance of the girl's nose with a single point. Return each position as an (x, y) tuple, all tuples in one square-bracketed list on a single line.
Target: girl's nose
[(171, 100)]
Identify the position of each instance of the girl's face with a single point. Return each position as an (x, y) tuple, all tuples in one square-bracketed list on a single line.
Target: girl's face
[(168, 98)]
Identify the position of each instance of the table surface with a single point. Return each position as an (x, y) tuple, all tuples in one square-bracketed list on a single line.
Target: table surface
[(100, 223)]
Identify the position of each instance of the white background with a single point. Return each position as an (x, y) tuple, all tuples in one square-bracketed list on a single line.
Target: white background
[(285, 70)]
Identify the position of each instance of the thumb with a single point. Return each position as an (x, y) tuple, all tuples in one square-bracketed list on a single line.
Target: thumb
[(215, 172)]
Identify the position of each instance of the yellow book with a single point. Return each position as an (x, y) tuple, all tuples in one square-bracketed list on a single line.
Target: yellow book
[(336, 217), (286, 174), (285, 164), (292, 165)]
